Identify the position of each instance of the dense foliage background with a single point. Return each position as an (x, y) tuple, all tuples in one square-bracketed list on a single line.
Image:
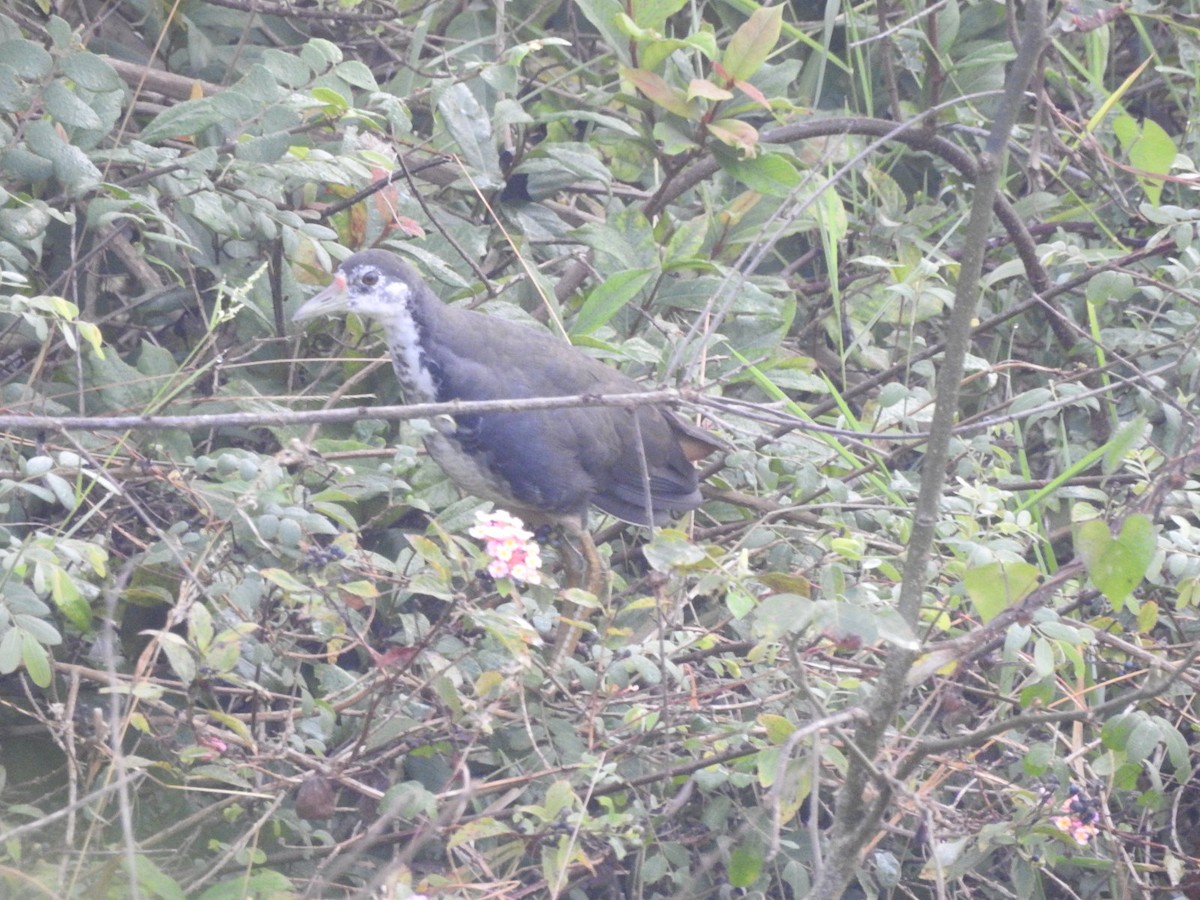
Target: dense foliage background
[(247, 654)]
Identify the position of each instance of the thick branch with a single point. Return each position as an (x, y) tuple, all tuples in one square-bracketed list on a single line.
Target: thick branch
[(853, 823)]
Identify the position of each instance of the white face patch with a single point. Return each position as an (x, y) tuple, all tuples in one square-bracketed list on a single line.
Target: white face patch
[(404, 342)]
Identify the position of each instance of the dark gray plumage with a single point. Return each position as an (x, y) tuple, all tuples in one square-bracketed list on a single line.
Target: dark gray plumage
[(549, 463)]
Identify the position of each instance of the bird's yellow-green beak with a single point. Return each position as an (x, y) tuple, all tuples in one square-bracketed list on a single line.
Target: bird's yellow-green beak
[(328, 302)]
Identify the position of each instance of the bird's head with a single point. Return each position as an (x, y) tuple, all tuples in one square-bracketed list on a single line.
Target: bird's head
[(373, 283)]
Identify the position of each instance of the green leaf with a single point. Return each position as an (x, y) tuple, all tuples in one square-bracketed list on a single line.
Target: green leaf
[(752, 43), (687, 241), (155, 882), (996, 586), (609, 298), (331, 98), (200, 626), (67, 108), (10, 651), (185, 119), (1116, 565), (1106, 287), (71, 165), (780, 614), (36, 659), (91, 72), (1117, 450), (771, 174), (285, 580), (1142, 741), (286, 68), (653, 13), (357, 74), (321, 54), (745, 865), (671, 548), (262, 883), (1150, 150), (471, 129), (26, 58), (179, 655), (603, 14), (779, 728), (39, 629), (68, 599), (64, 492)]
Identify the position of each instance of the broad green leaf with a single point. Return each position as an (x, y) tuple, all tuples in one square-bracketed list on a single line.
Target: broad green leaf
[(741, 604), (1117, 450), (779, 615), (155, 882), (182, 120), (996, 586), (200, 626), (285, 580), (603, 14), (671, 548), (286, 68), (609, 298), (179, 655), (1150, 150), (260, 883), (653, 13), (10, 651), (357, 74), (37, 628), (26, 58), (687, 240), (36, 659), (745, 865), (752, 43), (779, 728), (471, 129), (1118, 564), (66, 107), (68, 599), (654, 53)]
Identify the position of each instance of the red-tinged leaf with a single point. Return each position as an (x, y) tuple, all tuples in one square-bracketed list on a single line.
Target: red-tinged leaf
[(672, 99), (396, 657), (750, 45), (407, 226), (742, 136), (705, 89), (753, 93)]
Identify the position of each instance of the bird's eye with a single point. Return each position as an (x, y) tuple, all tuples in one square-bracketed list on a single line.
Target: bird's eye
[(370, 279)]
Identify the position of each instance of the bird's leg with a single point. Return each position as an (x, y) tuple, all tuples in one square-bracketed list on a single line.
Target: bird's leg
[(591, 578)]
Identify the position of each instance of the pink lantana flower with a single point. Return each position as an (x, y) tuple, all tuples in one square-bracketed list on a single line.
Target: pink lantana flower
[(1079, 821), (514, 552)]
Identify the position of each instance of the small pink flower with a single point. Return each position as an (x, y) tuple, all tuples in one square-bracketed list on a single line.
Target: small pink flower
[(513, 551), (1079, 822)]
